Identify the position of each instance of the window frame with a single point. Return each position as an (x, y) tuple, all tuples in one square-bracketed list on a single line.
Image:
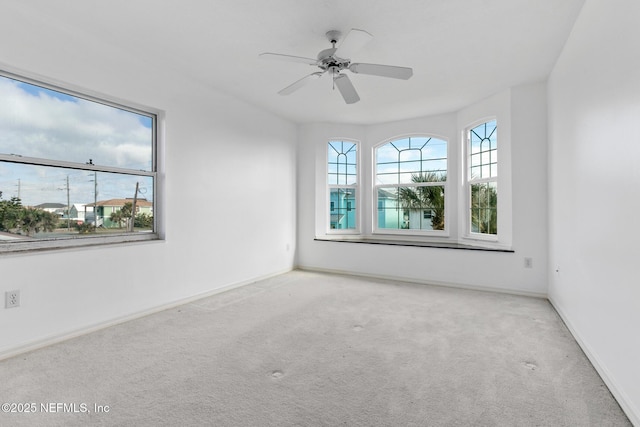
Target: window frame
[(157, 135), (468, 181), (356, 187), (415, 232)]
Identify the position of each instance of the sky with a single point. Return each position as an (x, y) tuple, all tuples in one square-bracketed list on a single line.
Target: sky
[(409, 151), (46, 124)]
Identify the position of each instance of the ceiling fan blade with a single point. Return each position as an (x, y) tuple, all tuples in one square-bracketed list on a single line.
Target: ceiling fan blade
[(298, 84), (403, 73), (346, 89), (353, 42), (290, 58)]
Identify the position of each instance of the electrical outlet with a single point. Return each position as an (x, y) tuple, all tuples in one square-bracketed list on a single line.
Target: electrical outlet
[(12, 299), (528, 263)]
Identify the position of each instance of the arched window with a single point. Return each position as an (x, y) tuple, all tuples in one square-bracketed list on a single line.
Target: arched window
[(410, 182), (342, 180), (482, 178)]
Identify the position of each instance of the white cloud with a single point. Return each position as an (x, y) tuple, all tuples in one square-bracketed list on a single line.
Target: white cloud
[(75, 130), (42, 124)]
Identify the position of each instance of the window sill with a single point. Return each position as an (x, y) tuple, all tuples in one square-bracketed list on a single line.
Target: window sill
[(33, 245), (414, 243)]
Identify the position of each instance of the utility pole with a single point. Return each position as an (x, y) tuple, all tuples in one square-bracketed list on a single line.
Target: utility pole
[(95, 198), (68, 207), (18, 188), (95, 195), (133, 208)]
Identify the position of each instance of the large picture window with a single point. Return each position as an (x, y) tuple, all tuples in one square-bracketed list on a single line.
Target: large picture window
[(482, 175), (411, 175), (342, 179), (72, 166)]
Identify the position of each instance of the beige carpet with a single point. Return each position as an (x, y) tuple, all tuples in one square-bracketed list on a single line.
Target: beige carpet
[(311, 349)]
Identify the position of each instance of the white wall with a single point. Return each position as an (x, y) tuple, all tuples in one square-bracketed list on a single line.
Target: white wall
[(594, 191), (523, 110), (229, 180)]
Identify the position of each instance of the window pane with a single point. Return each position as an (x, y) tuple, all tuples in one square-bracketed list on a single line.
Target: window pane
[(47, 124), (437, 149), (439, 166), (386, 179), (475, 144), (342, 163), (475, 172), (412, 167), (475, 160), (408, 155), (45, 202), (415, 207), (486, 157), (342, 208), (386, 153), (411, 159), (401, 144), (484, 208), (332, 174), (483, 150), (351, 155)]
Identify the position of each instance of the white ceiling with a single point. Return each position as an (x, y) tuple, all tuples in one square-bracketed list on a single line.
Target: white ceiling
[(460, 50)]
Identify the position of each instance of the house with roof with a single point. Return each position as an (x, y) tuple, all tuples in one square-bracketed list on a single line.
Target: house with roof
[(78, 211), (342, 210), (57, 208), (104, 209)]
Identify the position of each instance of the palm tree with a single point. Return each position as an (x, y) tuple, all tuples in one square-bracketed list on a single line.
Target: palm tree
[(127, 215), (117, 217), (10, 211), (122, 215), (48, 220), (421, 198), (484, 212), (35, 220)]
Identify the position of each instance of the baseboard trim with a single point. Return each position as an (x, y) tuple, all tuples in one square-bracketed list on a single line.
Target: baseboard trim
[(628, 407), (58, 338), (425, 282)]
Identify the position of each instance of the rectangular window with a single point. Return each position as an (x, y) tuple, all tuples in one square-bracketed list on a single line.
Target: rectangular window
[(403, 208), (343, 215), (72, 166), (484, 215), (411, 176), (482, 179), (342, 180)]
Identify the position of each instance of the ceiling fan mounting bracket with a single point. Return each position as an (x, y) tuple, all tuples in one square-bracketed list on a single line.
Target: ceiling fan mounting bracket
[(333, 36)]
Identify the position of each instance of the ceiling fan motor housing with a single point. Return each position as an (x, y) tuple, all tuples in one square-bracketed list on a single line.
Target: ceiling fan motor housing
[(328, 62)]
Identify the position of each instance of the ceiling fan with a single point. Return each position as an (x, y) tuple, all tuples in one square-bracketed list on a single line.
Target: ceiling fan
[(335, 60)]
